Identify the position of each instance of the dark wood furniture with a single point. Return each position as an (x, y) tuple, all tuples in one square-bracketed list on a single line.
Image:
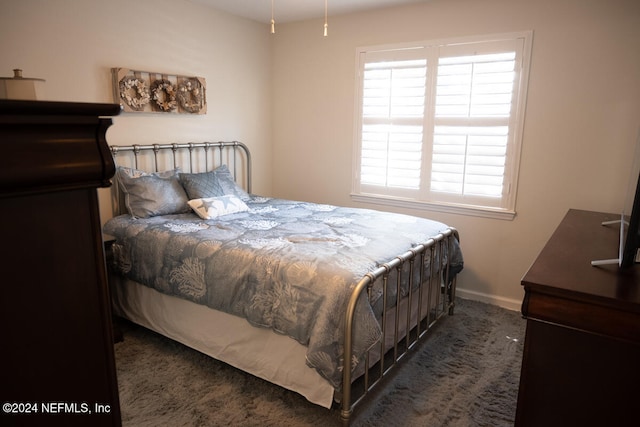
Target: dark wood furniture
[(108, 255), (581, 362), (58, 356)]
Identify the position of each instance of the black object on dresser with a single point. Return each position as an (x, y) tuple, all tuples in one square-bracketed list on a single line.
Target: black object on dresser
[(581, 361), (57, 339)]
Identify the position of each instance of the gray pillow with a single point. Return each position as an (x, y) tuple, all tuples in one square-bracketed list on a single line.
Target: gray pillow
[(201, 185), (152, 194), (228, 184), (216, 183)]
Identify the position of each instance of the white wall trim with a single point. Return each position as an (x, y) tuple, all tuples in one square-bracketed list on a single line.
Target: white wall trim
[(477, 211), (508, 303)]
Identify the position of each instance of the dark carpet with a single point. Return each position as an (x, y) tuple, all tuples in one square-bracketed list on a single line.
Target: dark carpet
[(465, 374)]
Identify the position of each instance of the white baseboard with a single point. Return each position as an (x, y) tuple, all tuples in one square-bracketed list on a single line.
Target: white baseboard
[(508, 303)]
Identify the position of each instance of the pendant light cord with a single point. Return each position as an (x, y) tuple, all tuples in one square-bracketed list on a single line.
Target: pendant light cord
[(273, 22), (326, 25)]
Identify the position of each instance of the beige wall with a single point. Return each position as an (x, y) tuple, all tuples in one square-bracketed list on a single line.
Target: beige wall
[(296, 89), (582, 117), (73, 44)]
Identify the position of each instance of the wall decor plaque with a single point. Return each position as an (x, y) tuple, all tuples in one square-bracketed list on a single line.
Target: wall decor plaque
[(149, 92)]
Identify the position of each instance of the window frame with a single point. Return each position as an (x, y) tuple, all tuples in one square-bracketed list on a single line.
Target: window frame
[(421, 199)]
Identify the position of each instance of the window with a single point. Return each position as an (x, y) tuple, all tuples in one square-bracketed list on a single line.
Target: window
[(440, 123)]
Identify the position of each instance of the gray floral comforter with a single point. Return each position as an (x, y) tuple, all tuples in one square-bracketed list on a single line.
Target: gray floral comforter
[(285, 265)]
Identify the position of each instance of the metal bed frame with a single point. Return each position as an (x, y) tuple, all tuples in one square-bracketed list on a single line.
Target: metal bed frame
[(440, 286)]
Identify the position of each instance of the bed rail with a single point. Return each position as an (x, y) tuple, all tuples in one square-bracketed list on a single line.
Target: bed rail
[(440, 284), (234, 154)]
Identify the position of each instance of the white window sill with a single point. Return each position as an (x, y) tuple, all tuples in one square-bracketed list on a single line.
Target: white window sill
[(477, 211)]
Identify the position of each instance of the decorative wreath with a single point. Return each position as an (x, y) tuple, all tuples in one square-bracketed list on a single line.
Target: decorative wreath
[(190, 95), (134, 92), (163, 93)]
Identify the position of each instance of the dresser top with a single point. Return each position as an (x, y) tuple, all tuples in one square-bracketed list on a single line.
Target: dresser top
[(54, 146), (564, 268), (23, 108)]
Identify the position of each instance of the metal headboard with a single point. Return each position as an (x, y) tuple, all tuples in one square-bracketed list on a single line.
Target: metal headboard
[(230, 153), (190, 157)]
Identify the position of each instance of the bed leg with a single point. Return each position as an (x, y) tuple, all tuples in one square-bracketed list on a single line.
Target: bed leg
[(452, 296), (345, 417)]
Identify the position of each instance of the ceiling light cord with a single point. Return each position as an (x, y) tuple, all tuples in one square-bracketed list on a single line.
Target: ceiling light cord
[(326, 25), (273, 22)]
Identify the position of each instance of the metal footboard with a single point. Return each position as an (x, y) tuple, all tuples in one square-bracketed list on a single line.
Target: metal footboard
[(440, 289)]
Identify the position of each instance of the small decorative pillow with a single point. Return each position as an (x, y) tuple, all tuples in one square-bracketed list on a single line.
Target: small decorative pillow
[(152, 194), (212, 207)]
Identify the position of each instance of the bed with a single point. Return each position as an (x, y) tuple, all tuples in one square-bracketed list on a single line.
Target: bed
[(320, 299)]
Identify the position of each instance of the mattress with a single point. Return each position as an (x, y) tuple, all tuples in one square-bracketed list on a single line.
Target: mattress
[(225, 337)]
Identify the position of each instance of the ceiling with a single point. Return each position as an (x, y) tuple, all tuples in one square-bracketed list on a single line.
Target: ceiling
[(297, 10)]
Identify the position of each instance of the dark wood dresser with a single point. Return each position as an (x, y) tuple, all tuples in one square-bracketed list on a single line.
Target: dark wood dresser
[(581, 362), (58, 358)]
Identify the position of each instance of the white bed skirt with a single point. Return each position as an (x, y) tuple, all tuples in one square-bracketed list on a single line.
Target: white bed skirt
[(259, 351), (231, 339)]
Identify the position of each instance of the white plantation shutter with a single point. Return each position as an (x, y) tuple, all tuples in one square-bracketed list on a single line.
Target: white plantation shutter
[(391, 155), (474, 98), (469, 160), (392, 116), (440, 123)]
